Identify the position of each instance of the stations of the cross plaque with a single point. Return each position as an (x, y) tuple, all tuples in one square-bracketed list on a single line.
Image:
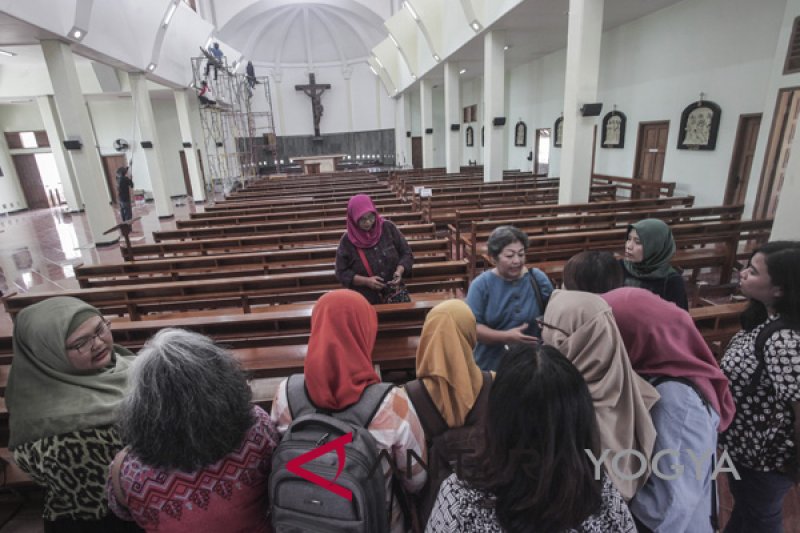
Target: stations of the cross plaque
[(314, 90)]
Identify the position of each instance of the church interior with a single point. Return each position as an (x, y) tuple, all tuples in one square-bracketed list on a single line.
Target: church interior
[(571, 119)]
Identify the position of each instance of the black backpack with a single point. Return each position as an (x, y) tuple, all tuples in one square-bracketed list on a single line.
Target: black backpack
[(299, 504), (450, 450)]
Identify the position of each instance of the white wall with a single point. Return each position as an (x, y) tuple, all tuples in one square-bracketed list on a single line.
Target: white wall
[(652, 68), (471, 94)]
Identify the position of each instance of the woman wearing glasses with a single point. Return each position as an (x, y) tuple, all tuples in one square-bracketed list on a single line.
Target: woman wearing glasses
[(373, 256), (66, 381)]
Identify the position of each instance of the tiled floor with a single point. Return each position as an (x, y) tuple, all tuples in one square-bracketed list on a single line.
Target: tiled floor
[(38, 250)]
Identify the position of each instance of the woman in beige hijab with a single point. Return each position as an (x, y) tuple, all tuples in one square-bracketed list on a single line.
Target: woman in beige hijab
[(450, 396), (581, 325)]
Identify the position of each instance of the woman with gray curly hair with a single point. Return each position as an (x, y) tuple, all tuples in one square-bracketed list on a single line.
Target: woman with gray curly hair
[(507, 299), (198, 454)]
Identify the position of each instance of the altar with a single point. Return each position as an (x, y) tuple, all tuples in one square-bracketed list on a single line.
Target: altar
[(314, 164)]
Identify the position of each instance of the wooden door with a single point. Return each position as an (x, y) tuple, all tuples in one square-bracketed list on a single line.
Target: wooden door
[(185, 167), (416, 152), (541, 151), (784, 123), (744, 149), (31, 181), (110, 165), (651, 150)]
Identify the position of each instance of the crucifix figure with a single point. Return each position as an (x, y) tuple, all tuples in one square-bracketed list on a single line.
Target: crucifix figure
[(314, 91)]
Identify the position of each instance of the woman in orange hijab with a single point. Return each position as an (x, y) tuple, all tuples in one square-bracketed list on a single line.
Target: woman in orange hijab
[(338, 368)]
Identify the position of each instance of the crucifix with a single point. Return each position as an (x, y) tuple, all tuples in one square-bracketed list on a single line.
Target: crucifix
[(314, 91)]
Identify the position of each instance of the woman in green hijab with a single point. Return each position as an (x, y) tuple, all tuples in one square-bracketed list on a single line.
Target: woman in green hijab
[(67, 379), (648, 251)]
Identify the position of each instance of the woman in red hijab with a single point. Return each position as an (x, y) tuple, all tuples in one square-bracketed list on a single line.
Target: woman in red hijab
[(338, 367), (665, 348), (373, 255)]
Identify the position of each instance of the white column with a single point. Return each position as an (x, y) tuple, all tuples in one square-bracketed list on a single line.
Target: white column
[(494, 94), (55, 134), (580, 87), (186, 104), (74, 118), (426, 112), (452, 115), (152, 156), (402, 124)]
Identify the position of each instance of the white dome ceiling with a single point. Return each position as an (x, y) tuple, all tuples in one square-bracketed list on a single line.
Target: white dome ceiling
[(305, 33)]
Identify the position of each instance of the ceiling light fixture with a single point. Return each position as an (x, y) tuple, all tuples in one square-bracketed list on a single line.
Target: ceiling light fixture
[(462, 71), (7, 53), (475, 25), (378, 61), (394, 40), (413, 76), (171, 12), (437, 58), (77, 33), (411, 10), (373, 70), (151, 67)]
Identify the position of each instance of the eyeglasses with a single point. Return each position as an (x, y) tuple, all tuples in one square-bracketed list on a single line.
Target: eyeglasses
[(542, 324), (83, 343)]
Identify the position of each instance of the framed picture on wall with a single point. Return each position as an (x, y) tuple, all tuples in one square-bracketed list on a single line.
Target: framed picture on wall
[(699, 126), (613, 132), (558, 128), (470, 136), (520, 134)]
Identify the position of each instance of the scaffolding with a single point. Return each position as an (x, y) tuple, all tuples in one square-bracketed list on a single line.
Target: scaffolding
[(238, 128)]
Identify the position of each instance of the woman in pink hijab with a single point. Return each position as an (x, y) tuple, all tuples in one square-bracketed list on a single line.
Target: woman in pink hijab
[(665, 348), (373, 255)]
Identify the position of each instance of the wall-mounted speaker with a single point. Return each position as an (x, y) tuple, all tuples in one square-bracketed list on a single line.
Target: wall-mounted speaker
[(408, 134), (591, 110), (187, 145), (147, 144), (499, 121), (73, 145), (428, 130), (219, 144), (455, 127)]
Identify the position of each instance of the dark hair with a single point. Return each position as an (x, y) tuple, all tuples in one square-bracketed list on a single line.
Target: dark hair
[(593, 271), (541, 419), (783, 266), (189, 402), (502, 236)]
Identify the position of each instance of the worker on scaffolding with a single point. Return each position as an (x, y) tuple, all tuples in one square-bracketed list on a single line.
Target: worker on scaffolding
[(251, 75), (215, 57), (205, 95)]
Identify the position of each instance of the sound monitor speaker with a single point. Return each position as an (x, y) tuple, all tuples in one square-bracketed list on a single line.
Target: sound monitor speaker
[(72, 145), (455, 127), (591, 110), (147, 144), (499, 121)]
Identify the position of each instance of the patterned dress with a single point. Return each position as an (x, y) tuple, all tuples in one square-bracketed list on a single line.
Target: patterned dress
[(761, 436), (73, 468), (230, 495), (461, 509)]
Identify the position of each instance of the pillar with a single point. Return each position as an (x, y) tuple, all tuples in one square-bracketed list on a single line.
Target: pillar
[(494, 94), (186, 104), (452, 115), (426, 112)]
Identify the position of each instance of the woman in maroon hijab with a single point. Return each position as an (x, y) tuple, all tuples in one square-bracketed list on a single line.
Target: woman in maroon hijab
[(665, 348), (373, 255)]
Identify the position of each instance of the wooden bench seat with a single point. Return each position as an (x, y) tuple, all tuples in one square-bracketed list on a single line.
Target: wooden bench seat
[(233, 265), (269, 228), (306, 202), (237, 244), (380, 192), (239, 292), (236, 216)]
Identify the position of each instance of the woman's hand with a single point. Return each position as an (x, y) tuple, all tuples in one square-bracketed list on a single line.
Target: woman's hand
[(516, 335), (398, 276), (375, 283)]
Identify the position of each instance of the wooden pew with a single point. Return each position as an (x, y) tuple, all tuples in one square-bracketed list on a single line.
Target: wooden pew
[(233, 265), (269, 228), (235, 216), (256, 243), (638, 188), (316, 192), (300, 202), (604, 219), (465, 217), (241, 293)]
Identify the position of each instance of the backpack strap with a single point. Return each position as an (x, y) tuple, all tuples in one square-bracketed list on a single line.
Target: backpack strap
[(433, 424), (537, 291), (363, 411), (658, 380), (481, 406), (761, 340), (296, 396)]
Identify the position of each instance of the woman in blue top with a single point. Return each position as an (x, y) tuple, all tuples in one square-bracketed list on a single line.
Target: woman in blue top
[(504, 300)]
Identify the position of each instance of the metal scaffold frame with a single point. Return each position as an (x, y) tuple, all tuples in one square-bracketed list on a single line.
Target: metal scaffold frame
[(238, 129)]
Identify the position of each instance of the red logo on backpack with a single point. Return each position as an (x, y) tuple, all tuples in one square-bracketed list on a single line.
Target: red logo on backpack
[(294, 466)]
